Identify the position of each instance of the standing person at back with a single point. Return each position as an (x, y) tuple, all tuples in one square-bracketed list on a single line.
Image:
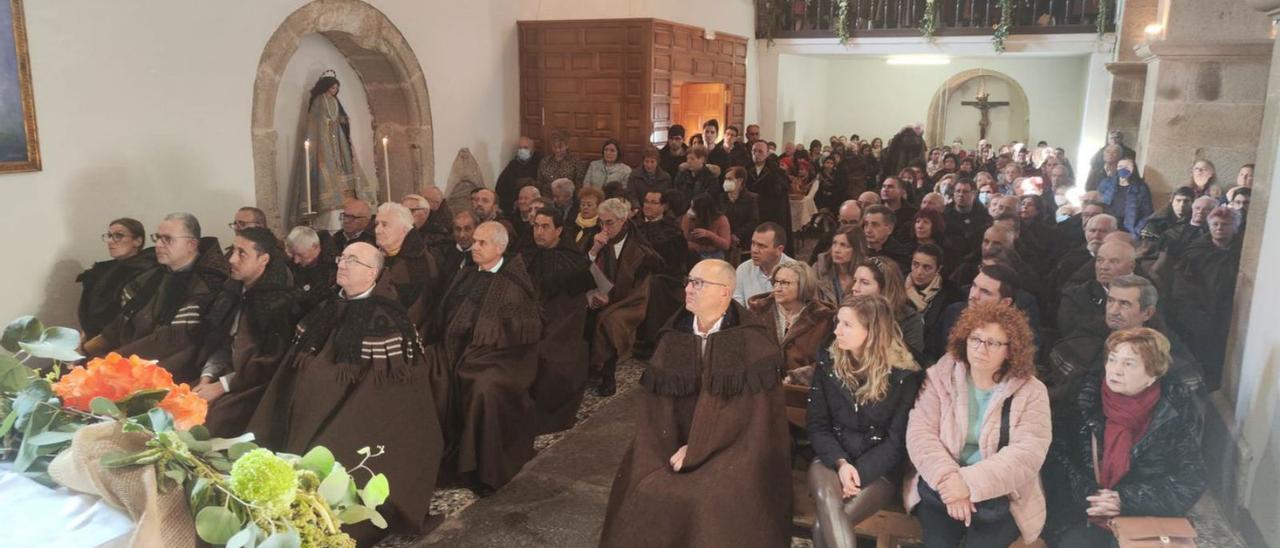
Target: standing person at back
[(771, 185)]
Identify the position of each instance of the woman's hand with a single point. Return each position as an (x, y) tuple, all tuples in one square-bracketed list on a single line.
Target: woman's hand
[(1105, 504), (701, 233), (677, 460), (961, 511), (953, 489), (849, 480)]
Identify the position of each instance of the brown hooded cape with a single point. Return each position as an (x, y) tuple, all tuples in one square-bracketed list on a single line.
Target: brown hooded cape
[(619, 321), (726, 405), (563, 277)]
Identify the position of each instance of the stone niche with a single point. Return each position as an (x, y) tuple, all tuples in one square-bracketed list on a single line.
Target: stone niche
[(393, 82)]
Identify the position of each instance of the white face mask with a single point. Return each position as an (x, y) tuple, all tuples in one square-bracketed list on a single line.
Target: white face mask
[(730, 185), (691, 214)]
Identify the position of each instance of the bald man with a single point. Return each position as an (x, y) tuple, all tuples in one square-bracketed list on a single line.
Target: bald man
[(484, 362), (1083, 306), (710, 462), (850, 213), (356, 375)]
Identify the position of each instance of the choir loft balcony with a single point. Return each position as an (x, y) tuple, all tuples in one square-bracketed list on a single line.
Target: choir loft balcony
[(780, 19)]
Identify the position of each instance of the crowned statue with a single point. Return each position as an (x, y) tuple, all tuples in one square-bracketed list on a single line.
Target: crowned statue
[(334, 177)]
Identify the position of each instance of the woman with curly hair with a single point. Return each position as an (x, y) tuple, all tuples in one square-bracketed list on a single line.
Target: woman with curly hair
[(861, 395), (978, 435)]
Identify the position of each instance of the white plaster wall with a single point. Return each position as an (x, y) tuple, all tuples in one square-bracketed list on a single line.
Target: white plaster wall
[(315, 55), (803, 94), (144, 108)]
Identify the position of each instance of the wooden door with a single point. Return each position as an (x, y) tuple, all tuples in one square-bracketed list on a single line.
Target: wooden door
[(700, 103)]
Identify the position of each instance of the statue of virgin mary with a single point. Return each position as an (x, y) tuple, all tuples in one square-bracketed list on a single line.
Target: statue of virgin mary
[(333, 169)]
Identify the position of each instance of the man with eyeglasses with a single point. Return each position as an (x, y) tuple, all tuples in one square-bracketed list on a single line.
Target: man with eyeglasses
[(719, 445), (246, 217), (249, 327), (357, 372), (767, 251), (561, 274), (410, 268), (356, 218), (164, 308), (624, 258), (433, 234), (485, 361)]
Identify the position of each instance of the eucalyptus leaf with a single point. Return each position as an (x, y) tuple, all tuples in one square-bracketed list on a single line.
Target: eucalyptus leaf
[(38, 421), (239, 449), (49, 438), (243, 539), (283, 539), (319, 460), (13, 375), (104, 406), (222, 444), (199, 432), (216, 525), (26, 328), (334, 486), (376, 491), (194, 445), (200, 494), (356, 514), (142, 401), (178, 475), (8, 422), (161, 420), (55, 343)]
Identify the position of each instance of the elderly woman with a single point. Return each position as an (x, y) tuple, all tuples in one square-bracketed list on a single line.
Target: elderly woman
[(880, 276), (1204, 179), (978, 434), (1146, 430), (859, 403), (586, 225), (100, 298), (794, 313), (834, 267), (561, 163), (609, 168), (649, 178)]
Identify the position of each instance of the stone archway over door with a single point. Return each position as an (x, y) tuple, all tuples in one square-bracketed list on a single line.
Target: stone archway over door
[(1019, 107), (393, 82)]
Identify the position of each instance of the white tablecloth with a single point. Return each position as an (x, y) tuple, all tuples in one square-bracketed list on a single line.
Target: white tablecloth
[(32, 515)]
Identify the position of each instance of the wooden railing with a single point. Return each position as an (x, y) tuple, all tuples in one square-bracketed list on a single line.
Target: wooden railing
[(820, 18)]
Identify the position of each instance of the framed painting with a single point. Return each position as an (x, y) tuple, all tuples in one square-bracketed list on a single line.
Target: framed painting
[(19, 144)]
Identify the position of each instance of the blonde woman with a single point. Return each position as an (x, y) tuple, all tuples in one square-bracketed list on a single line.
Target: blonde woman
[(859, 403)]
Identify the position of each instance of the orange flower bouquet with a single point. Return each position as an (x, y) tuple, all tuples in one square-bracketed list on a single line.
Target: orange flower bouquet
[(134, 385)]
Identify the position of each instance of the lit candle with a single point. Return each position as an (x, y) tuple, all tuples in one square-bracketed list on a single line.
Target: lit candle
[(386, 165), (306, 159)]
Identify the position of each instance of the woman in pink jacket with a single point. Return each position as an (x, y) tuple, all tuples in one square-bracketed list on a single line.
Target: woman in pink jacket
[(978, 435)]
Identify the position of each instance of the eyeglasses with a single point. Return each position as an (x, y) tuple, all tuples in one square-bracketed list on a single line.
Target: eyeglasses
[(781, 283), (986, 344), (699, 283), (346, 217), (115, 236), (350, 259), (168, 240)]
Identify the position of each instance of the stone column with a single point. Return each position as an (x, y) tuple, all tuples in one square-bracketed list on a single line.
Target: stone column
[(1205, 85), (1129, 73)]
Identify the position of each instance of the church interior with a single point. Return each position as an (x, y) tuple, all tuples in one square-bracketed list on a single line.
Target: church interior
[(334, 122)]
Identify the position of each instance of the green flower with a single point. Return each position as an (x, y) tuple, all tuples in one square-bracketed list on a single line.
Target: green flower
[(265, 480)]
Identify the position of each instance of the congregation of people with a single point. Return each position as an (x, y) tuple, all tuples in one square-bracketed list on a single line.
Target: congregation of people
[(1004, 352)]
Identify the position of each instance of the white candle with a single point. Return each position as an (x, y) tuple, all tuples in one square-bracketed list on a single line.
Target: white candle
[(386, 165), (306, 159)]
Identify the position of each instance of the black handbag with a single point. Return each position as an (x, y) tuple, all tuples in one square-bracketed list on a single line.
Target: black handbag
[(990, 510)]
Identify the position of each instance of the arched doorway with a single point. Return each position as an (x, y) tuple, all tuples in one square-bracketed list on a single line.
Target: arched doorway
[(1014, 122), (393, 82)]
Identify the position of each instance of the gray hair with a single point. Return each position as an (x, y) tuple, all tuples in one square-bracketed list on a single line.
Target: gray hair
[(806, 282), (189, 222), (418, 199), (1148, 297), (500, 236), (393, 211), (616, 207), (302, 237), (1103, 217), (536, 193), (562, 185)]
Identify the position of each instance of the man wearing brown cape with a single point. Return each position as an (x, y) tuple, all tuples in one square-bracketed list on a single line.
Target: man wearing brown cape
[(562, 276), (710, 464), (410, 268), (484, 365), (164, 308), (625, 258), (250, 325), (355, 377)]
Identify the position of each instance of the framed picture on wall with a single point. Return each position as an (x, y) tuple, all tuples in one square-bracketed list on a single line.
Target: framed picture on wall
[(19, 143)]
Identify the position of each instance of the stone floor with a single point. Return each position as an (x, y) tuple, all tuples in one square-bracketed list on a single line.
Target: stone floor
[(558, 500)]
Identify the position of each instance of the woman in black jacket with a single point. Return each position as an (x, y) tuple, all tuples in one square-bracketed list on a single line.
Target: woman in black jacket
[(861, 395), (100, 299), (1147, 429)]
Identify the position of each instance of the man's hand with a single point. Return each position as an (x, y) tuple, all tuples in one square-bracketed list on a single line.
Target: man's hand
[(209, 389), (1104, 504), (677, 460), (599, 299), (598, 243), (850, 483)]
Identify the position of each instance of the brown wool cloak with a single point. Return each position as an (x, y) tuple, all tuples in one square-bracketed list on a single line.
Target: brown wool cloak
[(414, 274), (379, 396), (812, 327), (618, 322), (482, 370), (562, 276), (162, 317), (267, 315), (735, 486)]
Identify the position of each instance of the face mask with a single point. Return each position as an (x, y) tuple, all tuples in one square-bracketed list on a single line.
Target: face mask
[(1062, 217), (691, 214), (984, 197), (524, 154), (730, 185), (1124, 173)]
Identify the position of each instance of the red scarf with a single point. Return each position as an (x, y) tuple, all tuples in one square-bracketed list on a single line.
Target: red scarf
[(1127, 420)]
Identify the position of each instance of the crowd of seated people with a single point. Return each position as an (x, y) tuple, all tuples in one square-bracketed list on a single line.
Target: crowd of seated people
[(966, 320)]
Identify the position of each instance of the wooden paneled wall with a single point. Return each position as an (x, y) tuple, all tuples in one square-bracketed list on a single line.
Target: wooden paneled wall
[(596, 79)]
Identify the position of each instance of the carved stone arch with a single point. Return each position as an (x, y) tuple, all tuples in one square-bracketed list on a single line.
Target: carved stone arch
[(1019, 115), (393, 81)]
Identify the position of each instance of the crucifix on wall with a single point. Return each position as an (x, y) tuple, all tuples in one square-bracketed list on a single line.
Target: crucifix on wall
[(984, 105)]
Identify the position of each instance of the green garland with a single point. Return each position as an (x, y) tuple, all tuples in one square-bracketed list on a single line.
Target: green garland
[(1002, 28), (929, 22), (842, 20), (1102, 16)]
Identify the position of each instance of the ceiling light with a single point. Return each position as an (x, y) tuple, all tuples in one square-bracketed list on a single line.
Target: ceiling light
[(1153, 29), (918, 60)]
